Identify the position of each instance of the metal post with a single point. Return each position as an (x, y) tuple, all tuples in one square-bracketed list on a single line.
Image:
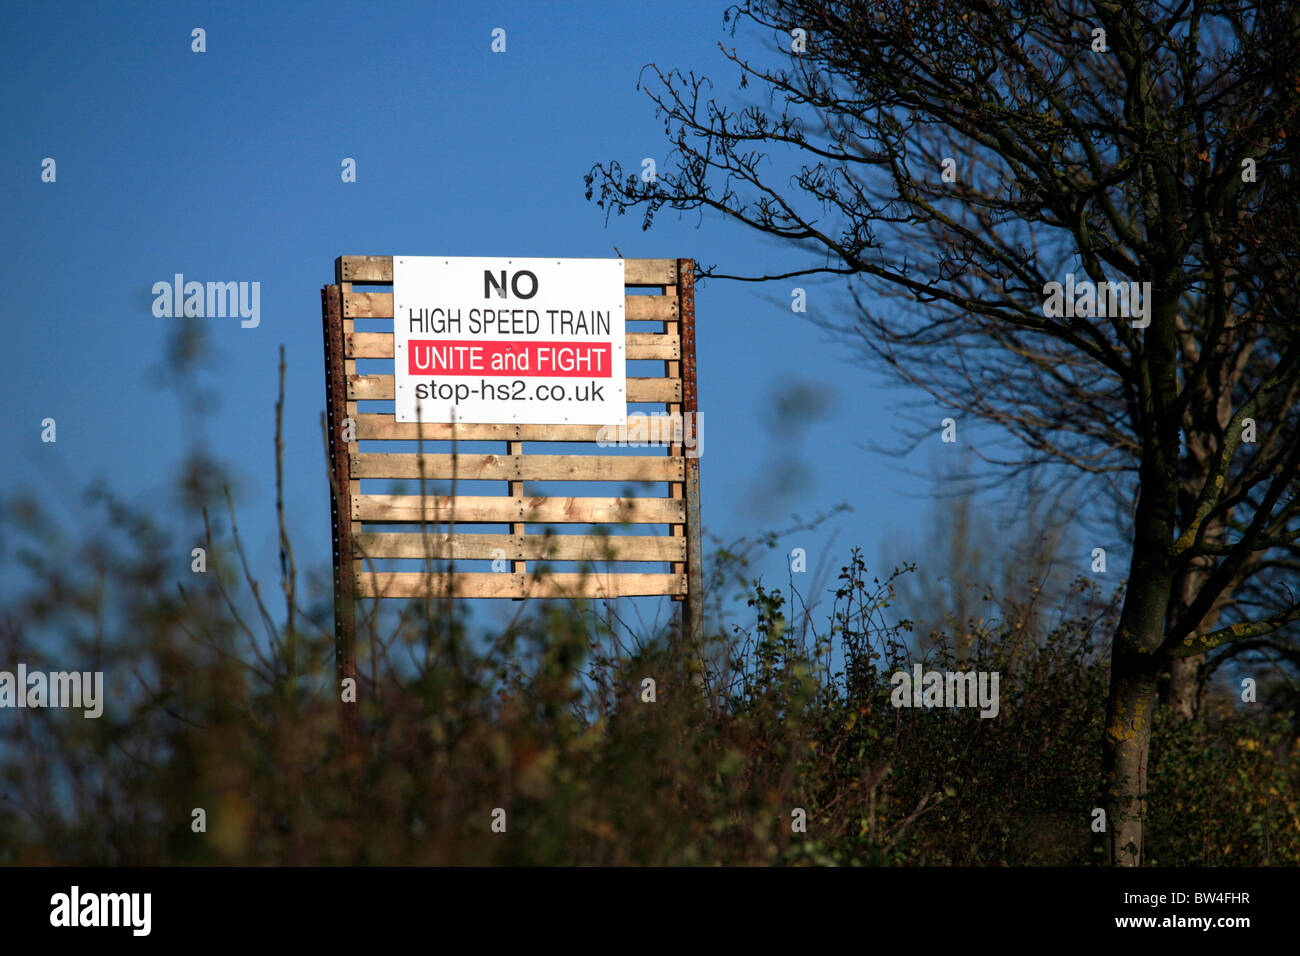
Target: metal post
[(694, 608), (345, 647)]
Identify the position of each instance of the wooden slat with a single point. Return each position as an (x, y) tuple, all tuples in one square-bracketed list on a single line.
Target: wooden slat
[(636, 308), (380, 387), (368, 305), (366, 269), (650, 272), (503, 510), (654, 390), (649, 308), (378, 270), (520, 547), (370, 345), (399, 584), (366, 387), (379, 427), (652, 345), (640, 345), (476, 467)]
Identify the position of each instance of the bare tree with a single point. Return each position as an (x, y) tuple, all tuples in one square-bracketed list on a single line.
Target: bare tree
[(955, 158)]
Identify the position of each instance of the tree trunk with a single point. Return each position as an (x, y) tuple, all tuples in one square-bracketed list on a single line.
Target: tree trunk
[(1135, 667), (1182, 693), (1135, 660), (1127, 742)]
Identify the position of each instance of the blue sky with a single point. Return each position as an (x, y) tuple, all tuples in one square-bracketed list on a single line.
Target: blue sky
[(225, 166)]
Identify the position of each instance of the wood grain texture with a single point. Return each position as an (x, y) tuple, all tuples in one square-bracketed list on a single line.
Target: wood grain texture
[(520, 547), (503, 510), (403, 584), (471, 467)]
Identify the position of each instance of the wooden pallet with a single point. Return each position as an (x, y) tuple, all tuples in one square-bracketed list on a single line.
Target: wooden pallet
[(364, 522)]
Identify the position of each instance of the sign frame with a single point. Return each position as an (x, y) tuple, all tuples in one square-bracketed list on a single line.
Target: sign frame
[(354, 514)]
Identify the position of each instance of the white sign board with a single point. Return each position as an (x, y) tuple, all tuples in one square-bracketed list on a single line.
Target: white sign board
[(509, 340)]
